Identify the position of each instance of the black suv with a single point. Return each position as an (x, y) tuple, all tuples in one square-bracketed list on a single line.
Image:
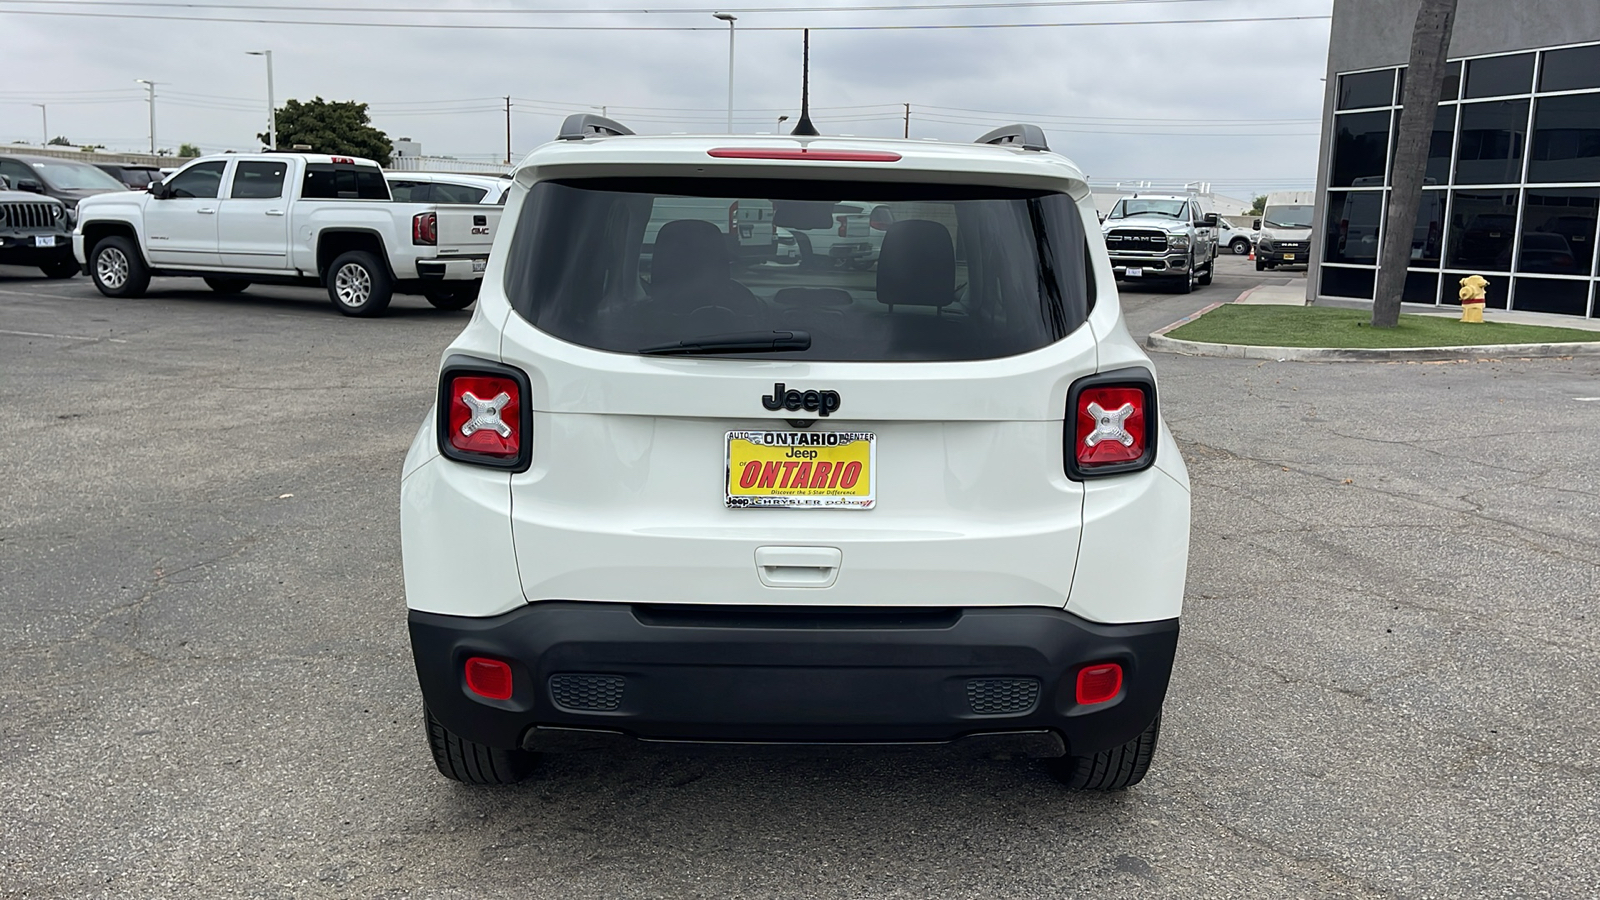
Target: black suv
[(135, 175), (67, 180)]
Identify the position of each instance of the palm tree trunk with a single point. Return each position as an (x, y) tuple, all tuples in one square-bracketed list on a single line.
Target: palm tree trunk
[(1430, 42)]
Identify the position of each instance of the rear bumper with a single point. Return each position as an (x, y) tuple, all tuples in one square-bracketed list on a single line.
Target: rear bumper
[(791, 675), (463, 268)]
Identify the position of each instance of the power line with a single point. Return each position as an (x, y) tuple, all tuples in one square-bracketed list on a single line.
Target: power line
[(896, 7), (459, 26)]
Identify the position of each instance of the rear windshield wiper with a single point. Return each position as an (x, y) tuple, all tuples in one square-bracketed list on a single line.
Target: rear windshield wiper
[(738, 342)]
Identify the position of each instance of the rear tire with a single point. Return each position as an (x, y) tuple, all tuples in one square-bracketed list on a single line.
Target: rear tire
[(1109, 770), (359, 284), (227, 285), (470, 762), (451, 298), (61, 268), (118, 269), (1240, 246)]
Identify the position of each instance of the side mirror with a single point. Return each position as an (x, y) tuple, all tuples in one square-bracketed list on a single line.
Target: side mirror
[(160, 190), (1255, 224), (1211, 220), (31, 186)]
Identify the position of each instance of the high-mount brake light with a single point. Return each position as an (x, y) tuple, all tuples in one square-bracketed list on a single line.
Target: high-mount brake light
[(489, 678), (1111, 424), (803, 154), (1098, 683), (484, 415), (425, 229)]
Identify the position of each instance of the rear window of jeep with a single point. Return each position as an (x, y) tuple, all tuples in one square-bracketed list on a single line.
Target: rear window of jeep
[(872, 272)]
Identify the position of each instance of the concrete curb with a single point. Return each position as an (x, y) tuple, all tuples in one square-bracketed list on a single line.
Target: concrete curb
[(1159, 341)]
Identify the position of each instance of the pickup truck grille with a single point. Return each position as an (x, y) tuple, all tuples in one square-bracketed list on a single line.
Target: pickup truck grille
[(33, 216), (1137, 240)]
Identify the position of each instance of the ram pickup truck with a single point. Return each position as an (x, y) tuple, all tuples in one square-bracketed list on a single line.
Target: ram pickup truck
[(1162, 238), (286, 218)]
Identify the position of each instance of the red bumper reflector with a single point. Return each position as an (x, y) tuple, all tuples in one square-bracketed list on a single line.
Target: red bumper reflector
[(803, 154), (490, 678), (1097, 684)]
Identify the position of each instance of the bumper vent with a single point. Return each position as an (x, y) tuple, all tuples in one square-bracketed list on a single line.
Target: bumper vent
[(587, 693), (1002, 696)]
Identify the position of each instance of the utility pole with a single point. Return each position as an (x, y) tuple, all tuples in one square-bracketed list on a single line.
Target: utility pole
[(908, 121), (730, 19), (1430, 41), (508, 129), (272, 106), (44, 115), (151, 87)]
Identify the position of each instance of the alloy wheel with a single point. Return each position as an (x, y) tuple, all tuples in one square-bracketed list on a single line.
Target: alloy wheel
[(353, 284), (111, 267)]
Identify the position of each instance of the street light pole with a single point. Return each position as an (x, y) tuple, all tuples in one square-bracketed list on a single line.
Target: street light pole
[(44, 116), (730, 19), (272, 106), (151, 87)]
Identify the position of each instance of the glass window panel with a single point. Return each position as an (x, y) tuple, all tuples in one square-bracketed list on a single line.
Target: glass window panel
[(1444, 138), (1500, 75), (1553, 295), (1566, 139), (1366, 89), (203, 180), (1482, 225), (1492, 139), (1558, 231), (1360, 143), (1352, 232), (1452, 82), (1347, 282), (1428, 237), (1421, 287), (1571, 69)]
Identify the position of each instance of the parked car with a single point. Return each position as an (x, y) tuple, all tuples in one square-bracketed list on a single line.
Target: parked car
[(852, 239), (930, 504), (292, 218), (443, 187), (34, 232), (1164, 238), (137, 177), (67, 180)]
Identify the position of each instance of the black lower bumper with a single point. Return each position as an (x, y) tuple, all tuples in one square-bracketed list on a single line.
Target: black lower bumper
[(1280, 257), (790, 675), (20, 250)]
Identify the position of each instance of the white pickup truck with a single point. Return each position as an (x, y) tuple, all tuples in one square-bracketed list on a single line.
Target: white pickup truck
[(286, 218)]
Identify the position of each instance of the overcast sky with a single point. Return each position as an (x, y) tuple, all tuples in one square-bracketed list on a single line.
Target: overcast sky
[(1236, 104)]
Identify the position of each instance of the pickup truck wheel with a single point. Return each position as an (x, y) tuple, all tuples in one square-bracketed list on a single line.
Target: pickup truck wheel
[(473, 763), (359, 284), (1109, 770), (118, 269), (1186, 286), (61, 268), (227, 285), (451, 297), (1211, 269), (1240, 246)]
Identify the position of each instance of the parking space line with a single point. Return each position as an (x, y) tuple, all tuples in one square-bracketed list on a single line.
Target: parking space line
[(64, 337)]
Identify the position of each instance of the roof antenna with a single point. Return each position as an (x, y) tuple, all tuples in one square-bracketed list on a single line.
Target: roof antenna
[(804, 128)]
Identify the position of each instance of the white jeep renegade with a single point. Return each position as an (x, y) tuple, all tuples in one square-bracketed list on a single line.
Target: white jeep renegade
[(673, 491)]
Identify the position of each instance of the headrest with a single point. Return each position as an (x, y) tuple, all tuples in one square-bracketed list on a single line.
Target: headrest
[(689, 252), (917, 265)]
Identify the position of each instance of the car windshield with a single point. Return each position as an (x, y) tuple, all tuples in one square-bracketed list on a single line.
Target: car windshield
[(71, 176), (1288, 216), (1138, 207), (939, 272)]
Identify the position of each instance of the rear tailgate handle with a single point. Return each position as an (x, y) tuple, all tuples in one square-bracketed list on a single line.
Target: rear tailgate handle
[(798, 567)]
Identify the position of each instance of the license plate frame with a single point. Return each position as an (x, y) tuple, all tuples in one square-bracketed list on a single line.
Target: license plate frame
[(784, 456), (1288, 257), (1135, 271), (44, 240)]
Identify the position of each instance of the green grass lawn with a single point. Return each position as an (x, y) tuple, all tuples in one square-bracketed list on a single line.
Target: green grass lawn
[(1322, 326)]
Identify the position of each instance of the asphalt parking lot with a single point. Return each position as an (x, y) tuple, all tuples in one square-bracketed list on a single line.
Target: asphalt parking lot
[(1386, 685)]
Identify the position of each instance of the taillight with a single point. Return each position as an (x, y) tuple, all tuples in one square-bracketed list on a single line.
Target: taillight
[(483, 414), (489, 678), (1111, 424), (425, 228), (844, 227), (1096, 684)]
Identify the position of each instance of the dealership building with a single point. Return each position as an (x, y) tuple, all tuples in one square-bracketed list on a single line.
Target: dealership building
[(1512, 188)]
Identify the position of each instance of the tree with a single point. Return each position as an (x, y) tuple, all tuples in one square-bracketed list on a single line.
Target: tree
[(59, 141), (1258, 205), (1430, 41), (332, 127), (189, 150)]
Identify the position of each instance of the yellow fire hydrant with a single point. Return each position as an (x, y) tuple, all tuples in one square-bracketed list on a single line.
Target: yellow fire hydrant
[(1472, 298)]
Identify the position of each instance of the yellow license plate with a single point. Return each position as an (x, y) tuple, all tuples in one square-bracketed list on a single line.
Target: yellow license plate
[(1288, 256), (801, 469)]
